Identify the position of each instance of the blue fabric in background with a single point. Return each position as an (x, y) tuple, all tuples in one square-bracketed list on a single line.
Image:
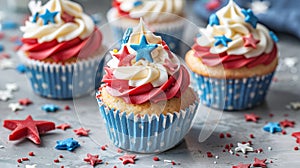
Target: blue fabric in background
[(281, 16)]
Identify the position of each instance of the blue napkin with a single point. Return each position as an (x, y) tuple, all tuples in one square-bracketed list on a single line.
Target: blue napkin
[(281, 15)]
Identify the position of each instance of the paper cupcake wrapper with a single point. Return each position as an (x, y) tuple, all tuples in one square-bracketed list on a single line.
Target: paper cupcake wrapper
[(59, 81), (232, 94), (147, 134)]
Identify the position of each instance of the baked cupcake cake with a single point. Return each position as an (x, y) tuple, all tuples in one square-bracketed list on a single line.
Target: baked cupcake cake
[(146, 100), (164, 17), (60, 44), (233, 59)]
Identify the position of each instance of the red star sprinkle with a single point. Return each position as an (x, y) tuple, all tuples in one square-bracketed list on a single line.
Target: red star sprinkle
[(81, 132), (92, 159), (25, 102), (241, 165), (128, 159), (124, 57), (251, 117), (28, 128), (286, 123), (259, 163), (249, 41), (63, 126)]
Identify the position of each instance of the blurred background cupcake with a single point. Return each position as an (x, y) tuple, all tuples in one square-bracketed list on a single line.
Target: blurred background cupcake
[(61, 49), (164, 17), (233, 59), (146, 100)]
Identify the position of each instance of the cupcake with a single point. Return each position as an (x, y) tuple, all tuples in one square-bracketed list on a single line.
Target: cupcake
[(233, 59), (146, 101), (61, 49), (164, 17)]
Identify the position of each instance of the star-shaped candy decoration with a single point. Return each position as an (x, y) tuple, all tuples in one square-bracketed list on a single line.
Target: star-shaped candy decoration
[(81, 132), (67, 144), (249, 41), (259, 163), (6, 64), (92, 159), (30, 166), (11, 87), (287, 123), (63, 126), (259, 6), (48, 17), (28, 128), (272, 127), (293, 106), (124, 56), (213, 20), (15, 107), (250, 17), (297, 136), (243, 148), (128, 159), (5, 95), (241, 165), (222, 40), (251, 117), (50, 108), (25, 102), (143, 49)]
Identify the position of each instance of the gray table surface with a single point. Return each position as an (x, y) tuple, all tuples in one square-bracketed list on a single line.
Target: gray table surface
[(189, 153)]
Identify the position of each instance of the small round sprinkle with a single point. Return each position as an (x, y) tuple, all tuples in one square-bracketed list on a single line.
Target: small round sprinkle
[(269, 148), (283, 132), (173, 163), (55, 160), (25, 159), (217, 157), (221, 135), (215, 162), (155, 158), (19, 160), (61, 156), (103, 147), (296, 148), (115, 50), (67, 107), (228, 135), (31, 154), (251, 136), (209, 154)]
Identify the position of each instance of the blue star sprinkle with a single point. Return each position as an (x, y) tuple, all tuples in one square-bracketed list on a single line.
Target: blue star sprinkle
[(222, 40), (214, 20), (21, 68), (35, 17), (127, 35), (274, 37), (143, 49), (250, 17), (67, 144), (48, 17), (137, 3), (272, 127), (50, 108)]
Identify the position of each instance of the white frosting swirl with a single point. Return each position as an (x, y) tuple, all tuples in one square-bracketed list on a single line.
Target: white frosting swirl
[(153, 10), (82, 27), (233, 26)]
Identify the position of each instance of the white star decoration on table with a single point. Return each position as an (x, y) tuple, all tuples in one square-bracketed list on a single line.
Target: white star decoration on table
[(293, 106), (290, 61), (30, 166), (244, 148), (5, 95), (6, 64), (259, 6), (12, 87), (15, 106)]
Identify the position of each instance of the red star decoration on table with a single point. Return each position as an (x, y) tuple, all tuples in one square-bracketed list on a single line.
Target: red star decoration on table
[(241, 165), (128, 159), (251, 117), (249, 41), (81, 132), (124, 57), (259, 163), (25, 102), (28, 128), (63, 126), (92, 159), (296, 135), (287, 123)]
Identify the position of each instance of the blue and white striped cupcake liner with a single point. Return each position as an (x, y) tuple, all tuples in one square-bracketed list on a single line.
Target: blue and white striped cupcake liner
[(232, 94), (149, 133)]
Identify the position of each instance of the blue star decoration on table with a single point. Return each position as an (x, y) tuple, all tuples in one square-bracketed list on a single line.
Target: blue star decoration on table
[(222, 40), (143, 49), (213, 20), (48, 17), (250, 17), (272, 127), (50, 108), (68, 144), (126, 35)]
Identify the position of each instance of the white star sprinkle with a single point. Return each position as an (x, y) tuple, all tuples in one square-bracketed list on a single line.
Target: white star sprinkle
[(15, 106), (243, 148), (290, 61), (12, 87), (5, 95), (259, 6), (6, 64), (30, 166), (293, 106)]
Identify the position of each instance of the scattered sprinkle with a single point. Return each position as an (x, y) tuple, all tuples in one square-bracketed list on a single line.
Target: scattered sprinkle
[(81, 132), (56, 161), (243, 148), (269, 148), (128, 159), (31, 154), (103, 147), (15, 107), (67, 144), (272, 127), (92, 159), (63, 126), (11, 87), (67, 107), (251, 136), (251, 117), (21, 68), (296, 148), (287, 123), (221, 135), (155, 158), (259, 163), (50, 108), (209, 154), (293, 106), (25, 159), (25, 102)]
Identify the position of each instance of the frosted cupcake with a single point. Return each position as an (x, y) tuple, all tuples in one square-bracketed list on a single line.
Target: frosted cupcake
[(146, 100), (60, 42), (233, 59), (164, 17)]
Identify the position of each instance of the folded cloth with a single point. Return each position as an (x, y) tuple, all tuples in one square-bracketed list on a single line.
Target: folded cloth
[(278, 15)]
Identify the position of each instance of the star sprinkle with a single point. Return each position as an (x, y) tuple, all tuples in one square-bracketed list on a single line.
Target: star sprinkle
[(213, 20), (5, 95), (259, 6), (28, 128), (294, 106), (81, 132), (25, 102), (63, 126), (6, 64), (274, 37), (30, 166), (92, 159), (48, 17), (127, 35), (297, 136), (12, 87), (251, 117), (124, 56), (287, 123), (128, 159), (249, 41), (259, 163), (143, 49), (67, 144), (15, 107), (50, 108), (244, 148), (241, 165), (290, 61), (222, 40), (250, 17), (272, 127), (21, 68)]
